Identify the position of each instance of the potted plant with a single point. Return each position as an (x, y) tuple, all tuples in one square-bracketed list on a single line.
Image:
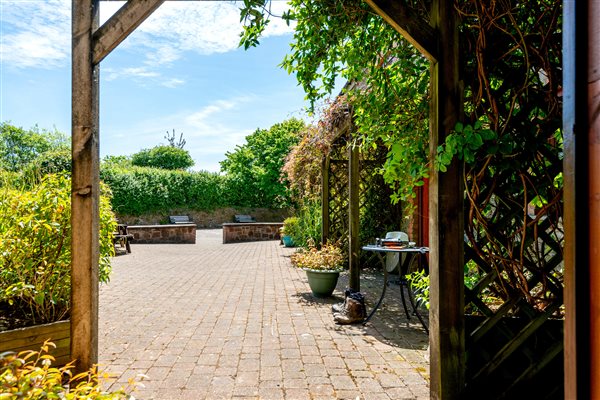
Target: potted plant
[(289, 231), (322, 266)]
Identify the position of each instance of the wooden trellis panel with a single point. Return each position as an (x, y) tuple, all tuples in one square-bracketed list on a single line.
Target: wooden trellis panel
[(514, 326), (377, 214)]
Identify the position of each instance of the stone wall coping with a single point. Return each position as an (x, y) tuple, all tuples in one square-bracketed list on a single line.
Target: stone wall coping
[(250, 223), (159, 226)]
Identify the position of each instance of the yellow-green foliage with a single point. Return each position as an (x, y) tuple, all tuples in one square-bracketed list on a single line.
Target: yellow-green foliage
[(328, 258), (35, 247), (29, 375)]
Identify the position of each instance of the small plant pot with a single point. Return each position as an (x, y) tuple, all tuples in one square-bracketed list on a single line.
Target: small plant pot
[(322, 283), (288, 241)]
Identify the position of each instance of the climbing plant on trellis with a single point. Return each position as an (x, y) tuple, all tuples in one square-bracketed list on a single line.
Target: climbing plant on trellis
[(377, 214), (513, 202)]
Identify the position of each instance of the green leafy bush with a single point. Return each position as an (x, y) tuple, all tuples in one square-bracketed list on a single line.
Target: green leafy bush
[(137, 190), (309, 223), (165, 157), (254, 168), (30, 375), (291, 228), (19, 147), (419, 284), (35, 247)]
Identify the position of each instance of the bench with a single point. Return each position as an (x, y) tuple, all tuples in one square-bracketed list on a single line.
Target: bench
[(180, 219), (240, 218), (123, 237)]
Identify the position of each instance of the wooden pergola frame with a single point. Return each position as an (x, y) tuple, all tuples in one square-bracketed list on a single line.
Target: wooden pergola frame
[(437, 39)]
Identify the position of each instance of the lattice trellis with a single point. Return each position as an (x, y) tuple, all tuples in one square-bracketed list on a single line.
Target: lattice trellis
[(377, 214), (514, 256)]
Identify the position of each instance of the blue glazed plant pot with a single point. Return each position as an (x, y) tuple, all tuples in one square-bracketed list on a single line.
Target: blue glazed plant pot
[(288, 241), (322, 283)]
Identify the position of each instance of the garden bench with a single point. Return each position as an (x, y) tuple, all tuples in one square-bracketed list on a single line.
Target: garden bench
[(123, 237), (180, 219), (244, 218)]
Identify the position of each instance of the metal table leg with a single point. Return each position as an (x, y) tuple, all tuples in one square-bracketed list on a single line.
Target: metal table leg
[(385, 278)]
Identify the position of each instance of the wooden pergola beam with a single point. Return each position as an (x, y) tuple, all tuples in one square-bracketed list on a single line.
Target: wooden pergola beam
[(412, 27), (121, 25)]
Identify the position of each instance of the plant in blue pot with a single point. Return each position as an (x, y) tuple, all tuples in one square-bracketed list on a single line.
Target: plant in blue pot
[(322, 266), (289, 231)]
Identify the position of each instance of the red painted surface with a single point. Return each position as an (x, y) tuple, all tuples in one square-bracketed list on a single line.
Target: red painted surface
[(423, 214)]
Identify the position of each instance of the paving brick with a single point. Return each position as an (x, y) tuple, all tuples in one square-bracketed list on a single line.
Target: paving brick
[(236, 321)]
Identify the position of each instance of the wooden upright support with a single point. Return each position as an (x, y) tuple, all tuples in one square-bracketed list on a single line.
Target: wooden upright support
[(85, 187), (90, 44), (581, 171), (354, 215), (325, 221), (446, 226)]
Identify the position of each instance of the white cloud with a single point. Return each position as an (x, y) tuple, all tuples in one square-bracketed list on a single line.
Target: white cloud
[(201, 27), (172, 83), (35, 34)]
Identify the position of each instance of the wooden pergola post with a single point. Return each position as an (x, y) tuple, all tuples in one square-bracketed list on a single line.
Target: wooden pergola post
[(581, 171), (325, 221), (438, 41), (446, 221), (353, 214), (90, 44), (85, 187)]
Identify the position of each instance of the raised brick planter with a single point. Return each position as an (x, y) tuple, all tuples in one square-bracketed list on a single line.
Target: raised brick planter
[(251, 231), (180, 233)]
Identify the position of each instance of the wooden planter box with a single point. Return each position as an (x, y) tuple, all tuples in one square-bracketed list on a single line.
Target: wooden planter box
[(33, 337)]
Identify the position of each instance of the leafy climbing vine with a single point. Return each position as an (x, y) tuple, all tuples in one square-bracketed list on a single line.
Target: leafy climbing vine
[(509, 137), (388, 90)]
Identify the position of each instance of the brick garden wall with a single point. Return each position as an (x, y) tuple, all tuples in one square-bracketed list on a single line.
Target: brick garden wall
[(180, 233), (249, 232)]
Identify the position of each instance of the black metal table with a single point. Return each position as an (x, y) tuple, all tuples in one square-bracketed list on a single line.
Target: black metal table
[(403, 271)]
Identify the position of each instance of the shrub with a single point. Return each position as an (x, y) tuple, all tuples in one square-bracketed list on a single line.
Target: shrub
[(309, 223), (164, 157), (328, 258), (291, 228), (19, 147), (137, 190), (30, 375), (255, 167), (35, 248)]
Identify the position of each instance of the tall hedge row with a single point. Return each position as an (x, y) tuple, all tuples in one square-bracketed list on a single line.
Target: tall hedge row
[(138, 190)]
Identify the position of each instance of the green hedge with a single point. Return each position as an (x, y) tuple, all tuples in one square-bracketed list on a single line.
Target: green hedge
[(138, 190)]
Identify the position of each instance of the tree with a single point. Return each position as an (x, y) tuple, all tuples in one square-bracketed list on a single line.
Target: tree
[(171, 139), (165, 157), (19, 147), (256, 165)]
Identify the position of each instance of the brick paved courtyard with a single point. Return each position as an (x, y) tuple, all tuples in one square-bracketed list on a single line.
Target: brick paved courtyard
[(236, 321)]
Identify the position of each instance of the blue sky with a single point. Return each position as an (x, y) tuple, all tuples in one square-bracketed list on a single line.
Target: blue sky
[(180, 70)]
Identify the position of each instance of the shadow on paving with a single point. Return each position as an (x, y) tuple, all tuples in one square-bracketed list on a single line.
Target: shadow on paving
[(220, 321)]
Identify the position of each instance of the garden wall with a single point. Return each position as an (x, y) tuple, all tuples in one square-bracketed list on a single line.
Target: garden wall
[(179, 233), (249, 232), (207, 219)]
